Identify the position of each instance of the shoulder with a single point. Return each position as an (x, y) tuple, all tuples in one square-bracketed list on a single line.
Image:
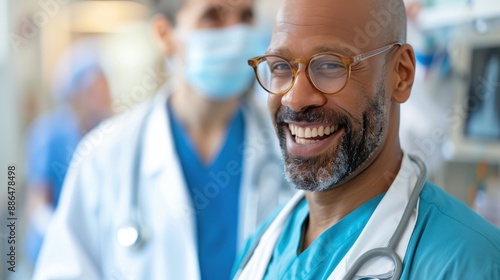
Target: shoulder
[(103, 157), (450, 241), (113, 136), (439, 205), (51, 123)]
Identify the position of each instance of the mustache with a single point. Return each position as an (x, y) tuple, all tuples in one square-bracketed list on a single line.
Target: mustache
[(311, 115)]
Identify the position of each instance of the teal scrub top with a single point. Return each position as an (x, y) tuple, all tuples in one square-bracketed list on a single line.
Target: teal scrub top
[(449, 241)]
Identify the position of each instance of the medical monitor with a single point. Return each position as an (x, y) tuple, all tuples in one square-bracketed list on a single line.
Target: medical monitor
[(475, 123)]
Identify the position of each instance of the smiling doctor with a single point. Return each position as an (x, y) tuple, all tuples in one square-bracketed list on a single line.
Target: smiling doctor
[(170, 190), (336, 72)]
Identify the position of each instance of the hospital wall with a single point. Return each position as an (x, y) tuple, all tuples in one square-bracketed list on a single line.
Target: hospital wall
[(453, 116), (33, 35)]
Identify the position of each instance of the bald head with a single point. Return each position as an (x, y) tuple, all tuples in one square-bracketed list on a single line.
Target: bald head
[(361, 24), (391, 16)]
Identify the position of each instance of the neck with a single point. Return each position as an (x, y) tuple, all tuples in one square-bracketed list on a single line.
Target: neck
[(200, 114), (205, 121), (328, 207)]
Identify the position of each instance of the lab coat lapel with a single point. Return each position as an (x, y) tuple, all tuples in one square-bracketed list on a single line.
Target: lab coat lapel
[(162, 170), (261, 256), (248, 194), (382, 225)]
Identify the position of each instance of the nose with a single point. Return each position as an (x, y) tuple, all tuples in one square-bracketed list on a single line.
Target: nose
[(233, 16), (303, 94), (231, 20)]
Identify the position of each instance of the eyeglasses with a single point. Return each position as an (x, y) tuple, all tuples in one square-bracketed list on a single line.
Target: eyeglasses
[(328, 72)]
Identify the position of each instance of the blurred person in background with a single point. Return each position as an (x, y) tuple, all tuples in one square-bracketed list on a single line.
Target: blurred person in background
[(82, 97), (177, 184)]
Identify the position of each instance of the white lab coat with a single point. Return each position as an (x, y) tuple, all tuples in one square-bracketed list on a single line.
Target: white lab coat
[(81, 242)]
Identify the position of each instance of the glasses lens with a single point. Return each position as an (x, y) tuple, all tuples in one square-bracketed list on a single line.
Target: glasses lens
[(328, 73), (275, 74)]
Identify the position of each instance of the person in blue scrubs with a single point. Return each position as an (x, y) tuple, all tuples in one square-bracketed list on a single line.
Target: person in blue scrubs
[(336, 72), (82, 97)]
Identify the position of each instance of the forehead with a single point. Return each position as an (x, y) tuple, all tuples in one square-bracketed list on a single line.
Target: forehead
[(225, 5), (303, 27)]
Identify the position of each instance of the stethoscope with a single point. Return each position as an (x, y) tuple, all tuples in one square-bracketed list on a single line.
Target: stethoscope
[(383, 252), (132, 234)]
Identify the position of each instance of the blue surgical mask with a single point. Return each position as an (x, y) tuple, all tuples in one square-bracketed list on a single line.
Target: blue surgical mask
[(216, 61)]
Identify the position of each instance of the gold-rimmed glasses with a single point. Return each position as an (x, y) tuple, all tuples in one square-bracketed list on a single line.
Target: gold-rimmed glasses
[(327, 71)]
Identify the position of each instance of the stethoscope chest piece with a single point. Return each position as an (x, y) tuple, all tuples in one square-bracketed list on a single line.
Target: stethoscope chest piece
[(130, 236)]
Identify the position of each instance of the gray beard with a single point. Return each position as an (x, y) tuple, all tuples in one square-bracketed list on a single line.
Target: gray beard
[(357, 145)]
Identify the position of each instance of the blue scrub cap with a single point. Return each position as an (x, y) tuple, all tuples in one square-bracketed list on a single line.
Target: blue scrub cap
[(77, 68)]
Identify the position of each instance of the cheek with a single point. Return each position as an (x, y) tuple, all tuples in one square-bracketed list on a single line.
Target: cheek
[(350, 104), (356, 97)]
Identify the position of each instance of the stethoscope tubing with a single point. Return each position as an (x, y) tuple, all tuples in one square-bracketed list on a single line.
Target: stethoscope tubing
[(390, 250), (134, 222)]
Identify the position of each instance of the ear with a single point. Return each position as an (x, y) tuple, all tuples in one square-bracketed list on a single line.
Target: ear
[(163, 34), (404, 74)]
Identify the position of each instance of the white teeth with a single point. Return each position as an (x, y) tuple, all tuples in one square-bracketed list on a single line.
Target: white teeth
[(303, 141), (308, 133), (314, 132), (321, 131), (303, 133)]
